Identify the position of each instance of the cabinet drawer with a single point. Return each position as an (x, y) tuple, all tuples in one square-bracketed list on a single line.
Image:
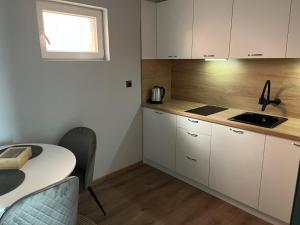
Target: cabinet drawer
[(192, 155), (190, 124)]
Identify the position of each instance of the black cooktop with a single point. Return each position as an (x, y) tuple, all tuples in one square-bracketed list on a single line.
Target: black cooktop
[(207, 110)]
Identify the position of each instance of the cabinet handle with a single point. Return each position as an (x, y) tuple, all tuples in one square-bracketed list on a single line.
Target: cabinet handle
[(193, 135), (159, 113), (190, 158), (256, 54), (237, 131), (193, 121), (297, 145), (170, 56), (206, 56)]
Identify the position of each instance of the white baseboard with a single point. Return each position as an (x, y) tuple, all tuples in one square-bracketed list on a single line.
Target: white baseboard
[(245, 208)]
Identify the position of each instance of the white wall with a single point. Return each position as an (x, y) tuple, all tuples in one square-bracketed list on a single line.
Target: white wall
[(52, 97), (8, 124)]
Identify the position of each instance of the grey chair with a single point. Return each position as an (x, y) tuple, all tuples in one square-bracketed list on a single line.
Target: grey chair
[(54, 205), (82, 141), (82, 220)]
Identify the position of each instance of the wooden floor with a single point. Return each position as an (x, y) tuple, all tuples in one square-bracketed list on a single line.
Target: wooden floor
[(146, 196)]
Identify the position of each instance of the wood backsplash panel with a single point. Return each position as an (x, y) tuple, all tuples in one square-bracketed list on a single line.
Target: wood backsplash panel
[(239, 83), (156, 72)]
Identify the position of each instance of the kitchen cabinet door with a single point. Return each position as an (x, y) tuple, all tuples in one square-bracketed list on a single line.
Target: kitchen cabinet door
[(293, 46), (148, 29), (211, 29), (236, 163), (259, 28), (279, 178), (159, 137), (192, 155), (174, 29)]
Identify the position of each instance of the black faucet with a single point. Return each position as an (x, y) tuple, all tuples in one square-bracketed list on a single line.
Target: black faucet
[(266, 101)]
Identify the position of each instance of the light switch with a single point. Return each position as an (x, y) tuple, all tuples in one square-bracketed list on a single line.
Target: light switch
[(128, 83)]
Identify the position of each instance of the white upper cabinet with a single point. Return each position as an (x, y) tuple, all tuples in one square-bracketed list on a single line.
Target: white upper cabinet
[(259, 28), (236, 163), (279, 177), (148, 20), (174, 29), (211, 29), (293, 47)]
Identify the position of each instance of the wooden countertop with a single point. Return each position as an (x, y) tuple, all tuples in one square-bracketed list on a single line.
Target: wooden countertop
[(289, 130)]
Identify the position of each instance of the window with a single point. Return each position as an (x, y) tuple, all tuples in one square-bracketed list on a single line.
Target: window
[(71, 31)]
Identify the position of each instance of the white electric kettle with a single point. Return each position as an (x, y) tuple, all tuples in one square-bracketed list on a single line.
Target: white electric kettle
[(157, 94)]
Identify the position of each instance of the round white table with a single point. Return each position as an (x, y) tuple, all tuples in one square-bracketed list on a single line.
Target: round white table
[(53, 165)]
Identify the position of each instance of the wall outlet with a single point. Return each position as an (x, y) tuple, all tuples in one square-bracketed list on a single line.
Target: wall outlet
[(128, 83)]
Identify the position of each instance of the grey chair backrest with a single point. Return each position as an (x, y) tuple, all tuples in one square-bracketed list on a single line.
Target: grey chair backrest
[(82, 141), (54, 205)]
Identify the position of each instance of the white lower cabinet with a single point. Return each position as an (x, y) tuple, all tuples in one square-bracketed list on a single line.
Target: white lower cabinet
[(279, 177), (236, 163), (257, 170), (192, 155), (159, 137)]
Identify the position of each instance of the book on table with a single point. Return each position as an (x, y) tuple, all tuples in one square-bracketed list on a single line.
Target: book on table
[(15, 157)]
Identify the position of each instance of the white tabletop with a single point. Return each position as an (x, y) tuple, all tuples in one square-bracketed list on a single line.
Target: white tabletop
[(54, 164)]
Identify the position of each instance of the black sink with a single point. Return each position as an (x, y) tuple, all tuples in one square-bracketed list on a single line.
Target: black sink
[(259, 119)]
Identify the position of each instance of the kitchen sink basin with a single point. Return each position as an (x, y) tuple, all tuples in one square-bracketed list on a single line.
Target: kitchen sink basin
[(259, 119)]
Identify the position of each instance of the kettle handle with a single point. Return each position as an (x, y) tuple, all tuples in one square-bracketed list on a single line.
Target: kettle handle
[(163, 92)]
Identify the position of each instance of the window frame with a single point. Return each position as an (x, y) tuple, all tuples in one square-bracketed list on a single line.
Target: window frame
[(72, 8)]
